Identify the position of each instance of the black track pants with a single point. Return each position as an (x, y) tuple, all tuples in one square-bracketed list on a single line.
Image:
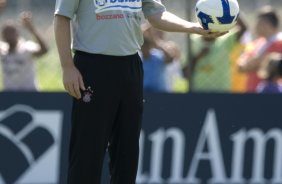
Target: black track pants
[(108, 116)]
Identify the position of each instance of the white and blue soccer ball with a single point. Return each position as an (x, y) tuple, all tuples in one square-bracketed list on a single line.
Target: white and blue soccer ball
[(217, 15)]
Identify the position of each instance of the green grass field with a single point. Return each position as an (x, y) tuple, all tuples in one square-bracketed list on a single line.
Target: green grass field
[(49, 71)]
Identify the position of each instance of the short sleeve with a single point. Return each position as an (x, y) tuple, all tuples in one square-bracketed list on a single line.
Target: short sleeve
[(3, 48), (152, 7), (66, 7)]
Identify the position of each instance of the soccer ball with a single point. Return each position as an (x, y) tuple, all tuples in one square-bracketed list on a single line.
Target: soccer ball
[(217, 15)]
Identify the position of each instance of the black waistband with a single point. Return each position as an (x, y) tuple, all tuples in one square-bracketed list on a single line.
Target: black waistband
[(103, 55)]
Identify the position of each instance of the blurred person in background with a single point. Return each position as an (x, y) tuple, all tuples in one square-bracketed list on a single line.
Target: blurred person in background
[(271, 73), (173, 71), (210, 64), (173, 76), (154, 63), (269, 41), (17, 55), (239, 79)]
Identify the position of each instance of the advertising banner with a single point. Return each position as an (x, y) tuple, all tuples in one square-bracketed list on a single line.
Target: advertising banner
[(211, 138), (186, 139), (33, 138)]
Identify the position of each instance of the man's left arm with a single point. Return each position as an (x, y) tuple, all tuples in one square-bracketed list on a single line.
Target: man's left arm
[(160, 18), (169, 22)]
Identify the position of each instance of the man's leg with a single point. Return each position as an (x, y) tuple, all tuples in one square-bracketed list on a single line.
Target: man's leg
[(92, 119), (87, 147), (124, 140)]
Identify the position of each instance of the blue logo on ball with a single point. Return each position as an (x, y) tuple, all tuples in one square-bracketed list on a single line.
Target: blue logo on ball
[(205, 19), (226, 18)]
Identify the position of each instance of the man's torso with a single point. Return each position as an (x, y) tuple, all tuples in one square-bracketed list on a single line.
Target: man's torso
[(110, 27)]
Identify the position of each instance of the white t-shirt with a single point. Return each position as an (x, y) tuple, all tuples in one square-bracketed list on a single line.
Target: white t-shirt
[(109, 27), (18, 69)]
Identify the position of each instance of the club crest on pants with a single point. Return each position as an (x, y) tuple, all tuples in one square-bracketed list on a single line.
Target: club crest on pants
[(87, 95)]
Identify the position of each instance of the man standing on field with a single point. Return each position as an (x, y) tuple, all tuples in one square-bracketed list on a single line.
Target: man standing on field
[(105, 77)]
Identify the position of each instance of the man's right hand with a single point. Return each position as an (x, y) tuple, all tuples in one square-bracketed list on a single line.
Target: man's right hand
[(73, 81), (72, 78)]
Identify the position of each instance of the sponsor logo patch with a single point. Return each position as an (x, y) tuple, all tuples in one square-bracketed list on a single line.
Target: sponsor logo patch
[(125, 5)]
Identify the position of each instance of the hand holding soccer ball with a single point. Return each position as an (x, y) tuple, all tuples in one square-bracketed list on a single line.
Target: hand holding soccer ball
[(198, 29)]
